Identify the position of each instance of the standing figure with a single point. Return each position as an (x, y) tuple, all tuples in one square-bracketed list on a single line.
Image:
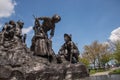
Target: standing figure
[(3, 32), (69, 50), (18, 30), (49, 24), (12, 31), (36, 32), (8, 30), (41, 43)]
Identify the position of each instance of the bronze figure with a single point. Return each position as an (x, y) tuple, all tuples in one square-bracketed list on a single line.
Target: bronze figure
[(69, 50), (41, 43), (12, 31)]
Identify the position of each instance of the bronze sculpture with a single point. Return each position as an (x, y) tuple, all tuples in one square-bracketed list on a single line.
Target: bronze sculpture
[(12, 31), (41, 43), (49, 24), (69, 50), (18, 62)]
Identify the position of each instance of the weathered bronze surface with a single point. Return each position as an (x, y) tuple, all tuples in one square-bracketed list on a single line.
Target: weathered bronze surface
[(17, 62), (68, 51)]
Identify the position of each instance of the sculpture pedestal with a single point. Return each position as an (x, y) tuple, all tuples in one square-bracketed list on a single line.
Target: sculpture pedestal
[(18, 63), (44, 72)]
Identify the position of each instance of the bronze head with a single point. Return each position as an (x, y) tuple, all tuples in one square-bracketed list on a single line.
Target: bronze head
[(56, 18), (67, 37), (20, 23), (11, 22)]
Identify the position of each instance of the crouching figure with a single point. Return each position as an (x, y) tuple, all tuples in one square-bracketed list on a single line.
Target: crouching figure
[(69, 51)]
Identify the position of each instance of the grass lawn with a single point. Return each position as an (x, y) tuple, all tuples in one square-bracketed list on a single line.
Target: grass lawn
[(117, 71), (93, 71)]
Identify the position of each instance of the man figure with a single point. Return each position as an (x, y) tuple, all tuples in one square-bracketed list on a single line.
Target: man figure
[(18, 30), (49, 24), (12, 30), (8, 30), (3, 32), (41, 44), (69, 50)]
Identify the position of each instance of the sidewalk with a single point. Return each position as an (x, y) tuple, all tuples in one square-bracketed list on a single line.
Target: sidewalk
[(104, 73), (101, 73)]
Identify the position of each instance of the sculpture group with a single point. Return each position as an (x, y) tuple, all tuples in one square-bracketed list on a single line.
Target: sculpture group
[(12, 31), (41, 42), (39, 62)]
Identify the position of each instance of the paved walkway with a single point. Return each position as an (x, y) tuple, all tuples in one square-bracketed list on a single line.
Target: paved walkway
[(100, 73), (104, 73)]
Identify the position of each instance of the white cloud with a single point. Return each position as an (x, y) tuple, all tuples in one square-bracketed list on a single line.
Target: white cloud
[(7, 8), (27, 30), (115, 35)]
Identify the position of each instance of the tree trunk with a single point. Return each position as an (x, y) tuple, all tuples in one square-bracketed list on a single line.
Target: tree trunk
[(94, 63)]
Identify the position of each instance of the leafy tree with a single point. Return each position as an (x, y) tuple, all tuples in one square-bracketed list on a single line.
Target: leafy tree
[(117, 51), (105, 58), (97, 53), (84, 61)]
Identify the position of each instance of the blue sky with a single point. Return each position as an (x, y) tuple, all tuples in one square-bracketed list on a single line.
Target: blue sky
[(86, 20)]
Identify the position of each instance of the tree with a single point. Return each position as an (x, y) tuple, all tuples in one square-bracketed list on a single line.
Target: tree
[(97, 53), (84, 61), (90, 51), (105, 58), (105, 54), (116, 53)]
